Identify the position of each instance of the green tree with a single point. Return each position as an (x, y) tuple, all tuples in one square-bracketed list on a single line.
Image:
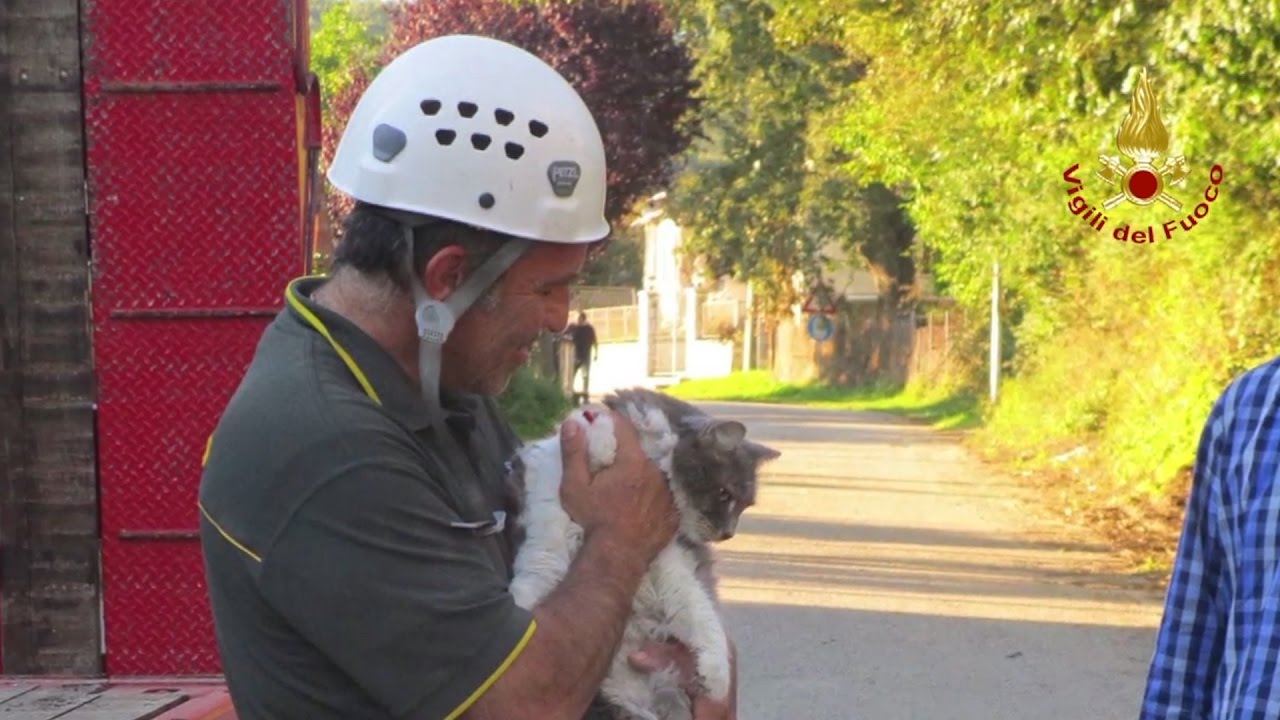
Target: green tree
[(906, 129), (764, 193), (346, 38), (973, 111)]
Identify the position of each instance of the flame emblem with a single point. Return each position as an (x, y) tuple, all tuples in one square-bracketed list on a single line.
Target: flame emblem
[(1143, 138)]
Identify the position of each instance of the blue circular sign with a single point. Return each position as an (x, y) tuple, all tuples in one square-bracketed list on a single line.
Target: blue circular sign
[(821, 327)]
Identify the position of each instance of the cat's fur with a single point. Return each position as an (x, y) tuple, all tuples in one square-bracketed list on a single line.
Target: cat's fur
[(711, 470)]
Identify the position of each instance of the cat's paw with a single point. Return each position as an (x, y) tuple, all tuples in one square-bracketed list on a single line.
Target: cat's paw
[(602, 444), (657, 438), (714, 676)]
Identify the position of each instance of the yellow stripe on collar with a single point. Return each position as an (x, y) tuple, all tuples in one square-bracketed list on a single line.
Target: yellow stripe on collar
[(291, 295)]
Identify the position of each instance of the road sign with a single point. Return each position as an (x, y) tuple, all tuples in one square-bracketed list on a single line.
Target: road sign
[(821, 327), (820, 302)]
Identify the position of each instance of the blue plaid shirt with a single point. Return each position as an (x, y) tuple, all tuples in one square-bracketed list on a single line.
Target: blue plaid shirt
[(1218, 651)]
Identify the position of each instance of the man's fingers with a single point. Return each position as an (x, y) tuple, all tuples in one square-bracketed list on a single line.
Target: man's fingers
[(645, 662), (705, 708), (654, 656), (628, 437), (573, 454)]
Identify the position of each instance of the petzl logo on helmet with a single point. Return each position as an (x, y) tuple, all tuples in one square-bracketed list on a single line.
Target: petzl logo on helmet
[(564, 176)]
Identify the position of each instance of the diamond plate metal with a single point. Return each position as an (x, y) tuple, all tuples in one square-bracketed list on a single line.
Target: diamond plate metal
[(158, 619), (193, 127), (188, 40), (194, 198), (161, 386)]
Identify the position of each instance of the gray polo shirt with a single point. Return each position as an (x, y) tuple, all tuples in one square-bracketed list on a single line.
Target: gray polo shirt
[(350, 568)]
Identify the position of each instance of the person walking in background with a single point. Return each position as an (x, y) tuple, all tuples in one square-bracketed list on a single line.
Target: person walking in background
[(585, 350)]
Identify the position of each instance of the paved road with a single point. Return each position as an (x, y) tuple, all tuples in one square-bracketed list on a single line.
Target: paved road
[(886, 575)]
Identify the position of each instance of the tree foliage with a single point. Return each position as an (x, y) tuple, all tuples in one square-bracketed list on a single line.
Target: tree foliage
[(910, 129), (620, 55), (764, 195), (973, 111), (345, 40)]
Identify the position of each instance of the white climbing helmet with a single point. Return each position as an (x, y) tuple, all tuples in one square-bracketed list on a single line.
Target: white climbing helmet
[(478, 131)]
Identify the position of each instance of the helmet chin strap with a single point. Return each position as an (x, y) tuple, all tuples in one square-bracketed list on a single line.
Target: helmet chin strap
[(436, 318)]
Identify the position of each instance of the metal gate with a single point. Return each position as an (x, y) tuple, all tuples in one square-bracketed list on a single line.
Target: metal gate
[(667, 340), (197, 151)]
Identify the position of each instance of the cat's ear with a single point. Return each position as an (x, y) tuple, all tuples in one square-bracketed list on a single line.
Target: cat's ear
[(762, 453), (724, 435)]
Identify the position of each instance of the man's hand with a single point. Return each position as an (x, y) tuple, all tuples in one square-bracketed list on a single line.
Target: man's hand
[(628, 515), (628, 502), (655, 656)]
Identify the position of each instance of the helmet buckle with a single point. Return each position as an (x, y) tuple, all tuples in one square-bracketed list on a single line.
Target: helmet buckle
[(435, 321)]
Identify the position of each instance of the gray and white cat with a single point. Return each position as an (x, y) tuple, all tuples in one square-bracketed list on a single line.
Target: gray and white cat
[(711, 470)]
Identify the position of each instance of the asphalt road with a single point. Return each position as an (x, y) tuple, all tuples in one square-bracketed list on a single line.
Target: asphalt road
[(885, 574)]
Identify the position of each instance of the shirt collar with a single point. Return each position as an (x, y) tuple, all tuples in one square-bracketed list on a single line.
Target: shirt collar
[(377, 373)]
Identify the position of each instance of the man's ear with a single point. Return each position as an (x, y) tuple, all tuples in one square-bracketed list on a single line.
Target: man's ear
[(444, 272)]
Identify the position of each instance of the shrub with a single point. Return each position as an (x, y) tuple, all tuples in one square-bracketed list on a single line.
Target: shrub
[(533, 405)]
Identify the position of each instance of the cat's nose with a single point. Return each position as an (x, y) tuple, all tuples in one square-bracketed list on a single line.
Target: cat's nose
[(730, 526)]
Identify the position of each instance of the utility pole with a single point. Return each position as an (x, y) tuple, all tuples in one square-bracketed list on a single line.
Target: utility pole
[(995, 330)]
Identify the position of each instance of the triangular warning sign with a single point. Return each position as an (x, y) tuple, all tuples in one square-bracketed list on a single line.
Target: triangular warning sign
[(811, 306)]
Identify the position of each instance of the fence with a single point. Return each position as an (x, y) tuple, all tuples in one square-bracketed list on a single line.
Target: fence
[(935, 334), (615, 324), (719, 318), (585, 297), (672, 335), (871, 343)]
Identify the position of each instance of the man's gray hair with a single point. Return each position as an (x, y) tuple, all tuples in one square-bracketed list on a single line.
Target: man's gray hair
[(373, 245)]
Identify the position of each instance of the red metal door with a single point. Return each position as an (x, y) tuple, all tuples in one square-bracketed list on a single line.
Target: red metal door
[(194, 163)]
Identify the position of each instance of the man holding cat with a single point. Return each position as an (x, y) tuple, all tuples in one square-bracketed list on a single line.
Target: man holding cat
[(353, 503)]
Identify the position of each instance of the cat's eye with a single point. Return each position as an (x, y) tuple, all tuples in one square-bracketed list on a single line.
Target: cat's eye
[(725, 495)]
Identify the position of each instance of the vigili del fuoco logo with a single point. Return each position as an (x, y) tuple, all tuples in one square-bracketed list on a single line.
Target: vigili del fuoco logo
[(1149, 176)]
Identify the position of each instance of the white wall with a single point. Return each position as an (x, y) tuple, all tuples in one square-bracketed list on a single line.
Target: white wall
[(621, 365), (662, 267), (848, 275), (708, 358)]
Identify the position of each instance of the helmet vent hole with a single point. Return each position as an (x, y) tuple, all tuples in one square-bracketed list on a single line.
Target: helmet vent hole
[(467, 109), (538, 129), (430, 107), (514, 151), (480, 142), (504, 117), (445, 137), (486, 201)]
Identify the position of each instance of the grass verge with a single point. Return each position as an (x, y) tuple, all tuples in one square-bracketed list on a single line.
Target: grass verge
[(942, 409)]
